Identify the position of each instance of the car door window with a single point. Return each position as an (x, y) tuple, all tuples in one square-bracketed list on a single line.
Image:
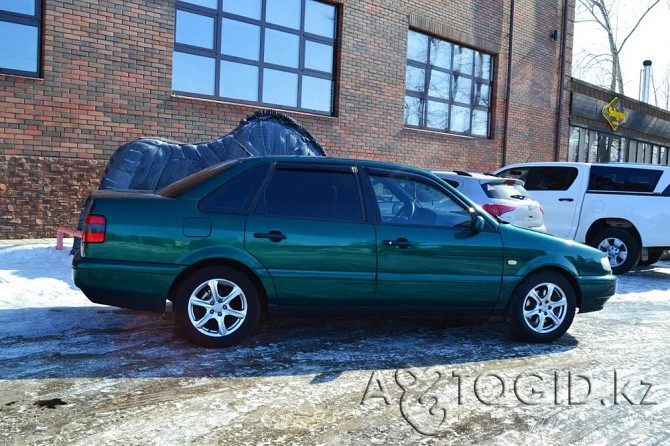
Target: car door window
[(543, 177), (517, 173), (623, 179), (412, 201), (550, 178), (312, 194)]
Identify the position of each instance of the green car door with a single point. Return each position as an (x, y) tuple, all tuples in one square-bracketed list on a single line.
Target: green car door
[(308, 228), (429, 252)]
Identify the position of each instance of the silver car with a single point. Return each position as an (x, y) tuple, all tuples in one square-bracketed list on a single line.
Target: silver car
[(503, 197)]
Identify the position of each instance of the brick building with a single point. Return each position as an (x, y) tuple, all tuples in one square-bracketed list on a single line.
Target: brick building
[(422, 82)]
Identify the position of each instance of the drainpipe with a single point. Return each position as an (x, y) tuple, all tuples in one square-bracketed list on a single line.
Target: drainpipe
[(509, 83), (559, 118)]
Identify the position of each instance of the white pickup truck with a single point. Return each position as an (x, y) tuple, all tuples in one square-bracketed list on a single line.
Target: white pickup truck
[(621, 209)]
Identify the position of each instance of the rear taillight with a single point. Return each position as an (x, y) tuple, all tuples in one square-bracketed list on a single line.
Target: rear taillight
[(498, 209), (542, 210), (94, 229)]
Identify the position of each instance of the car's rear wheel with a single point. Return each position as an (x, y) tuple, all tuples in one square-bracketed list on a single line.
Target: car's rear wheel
[(620, 246), (217, 306), (542, 307)]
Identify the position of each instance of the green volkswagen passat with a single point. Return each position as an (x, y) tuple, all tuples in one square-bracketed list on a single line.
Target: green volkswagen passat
[(310, 236)]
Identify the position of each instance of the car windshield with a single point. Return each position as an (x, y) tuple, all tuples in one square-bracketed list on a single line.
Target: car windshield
[(179, 187)]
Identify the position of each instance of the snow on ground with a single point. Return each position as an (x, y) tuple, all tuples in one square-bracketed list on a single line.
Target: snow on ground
[(37, 276), (127, 377)]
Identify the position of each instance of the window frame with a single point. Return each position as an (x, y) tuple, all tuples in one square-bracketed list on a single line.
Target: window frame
[(425, 96), (30, 20), (218, 15)]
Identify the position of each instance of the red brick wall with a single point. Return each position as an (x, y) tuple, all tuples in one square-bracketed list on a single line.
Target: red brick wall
[(107, 80), (536, 79)]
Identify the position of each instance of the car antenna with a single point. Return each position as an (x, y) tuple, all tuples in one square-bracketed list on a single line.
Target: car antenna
[(529, 157)]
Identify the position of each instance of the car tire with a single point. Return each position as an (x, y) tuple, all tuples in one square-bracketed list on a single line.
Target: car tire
[(217, 306), (542, 307), (620, 246), (653, 257)]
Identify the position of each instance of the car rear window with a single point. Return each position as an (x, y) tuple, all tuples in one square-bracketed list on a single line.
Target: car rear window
[(179, 187), (623, 179), (504, 191)]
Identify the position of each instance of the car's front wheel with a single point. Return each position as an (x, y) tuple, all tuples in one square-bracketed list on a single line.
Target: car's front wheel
[(542, 307), (217, 306)]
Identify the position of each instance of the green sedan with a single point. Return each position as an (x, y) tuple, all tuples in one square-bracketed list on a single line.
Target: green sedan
[(326, 236)]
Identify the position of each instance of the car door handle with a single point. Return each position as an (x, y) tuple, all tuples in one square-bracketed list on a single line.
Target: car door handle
[(274, 236), (566, 199), (401, 243)]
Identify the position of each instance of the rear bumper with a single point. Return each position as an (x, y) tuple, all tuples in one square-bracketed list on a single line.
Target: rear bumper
[(138, 286), (596, 290)]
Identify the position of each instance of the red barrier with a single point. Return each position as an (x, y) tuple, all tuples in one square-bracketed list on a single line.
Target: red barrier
[(62, 230)]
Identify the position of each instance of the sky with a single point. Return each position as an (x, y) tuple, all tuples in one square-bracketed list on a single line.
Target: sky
[(650, 41)]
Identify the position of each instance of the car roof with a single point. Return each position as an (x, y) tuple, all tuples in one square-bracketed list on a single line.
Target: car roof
[(301, 159), (574, 163)]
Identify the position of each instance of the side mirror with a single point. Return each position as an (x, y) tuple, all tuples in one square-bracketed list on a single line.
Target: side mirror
[(478, 223)]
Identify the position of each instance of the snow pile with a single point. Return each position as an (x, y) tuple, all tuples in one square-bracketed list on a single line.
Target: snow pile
[(35, 276)]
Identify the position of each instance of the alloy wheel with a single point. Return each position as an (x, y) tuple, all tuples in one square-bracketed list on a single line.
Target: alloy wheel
[(616, 250), (545, 307), (217, 307)]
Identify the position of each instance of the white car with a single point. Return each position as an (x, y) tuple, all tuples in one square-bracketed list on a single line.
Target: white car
[(621, 209), (504, 198)]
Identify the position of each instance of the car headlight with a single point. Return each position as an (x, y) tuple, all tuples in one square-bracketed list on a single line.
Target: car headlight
[(605, 262)]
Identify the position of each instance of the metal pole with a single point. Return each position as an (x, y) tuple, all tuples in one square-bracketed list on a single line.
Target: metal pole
[(646, 80)]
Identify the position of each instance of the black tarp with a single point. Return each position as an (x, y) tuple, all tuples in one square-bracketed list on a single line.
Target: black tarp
[(152, 163)]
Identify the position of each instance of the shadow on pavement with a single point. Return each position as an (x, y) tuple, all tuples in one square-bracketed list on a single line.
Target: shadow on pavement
[(94, 342)]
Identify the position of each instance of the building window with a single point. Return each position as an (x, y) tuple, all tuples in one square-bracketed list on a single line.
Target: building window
[(20, 37), (447, 86), (592, 146), (270, 52)]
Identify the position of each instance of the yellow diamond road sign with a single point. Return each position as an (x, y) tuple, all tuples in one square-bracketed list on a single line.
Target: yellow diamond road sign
[(614, 113)]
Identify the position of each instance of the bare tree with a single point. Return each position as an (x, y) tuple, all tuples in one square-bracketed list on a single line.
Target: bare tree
[(587, 64), (662, 88), (603, 13)]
